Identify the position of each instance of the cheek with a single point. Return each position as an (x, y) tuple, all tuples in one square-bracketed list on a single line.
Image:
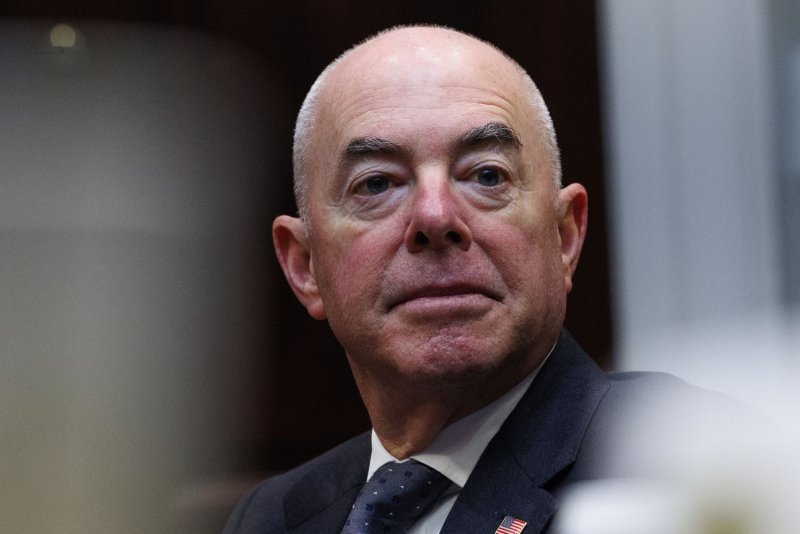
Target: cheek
[(526, 254), (351, 273)]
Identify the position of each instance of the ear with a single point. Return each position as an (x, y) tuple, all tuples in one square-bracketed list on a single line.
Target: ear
[(294, 254), (572, 215)]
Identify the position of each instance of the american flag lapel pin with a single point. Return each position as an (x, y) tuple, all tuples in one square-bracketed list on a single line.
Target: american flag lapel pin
[(510, 525)]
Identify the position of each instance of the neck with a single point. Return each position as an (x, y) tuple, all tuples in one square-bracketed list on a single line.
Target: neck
[(415, 430), (408, 417)]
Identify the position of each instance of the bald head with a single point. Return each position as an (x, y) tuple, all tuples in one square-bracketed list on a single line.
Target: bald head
[(413, 57), (433, 237)]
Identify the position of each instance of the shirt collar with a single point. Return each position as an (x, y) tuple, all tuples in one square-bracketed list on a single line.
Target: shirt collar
[(457, 448)]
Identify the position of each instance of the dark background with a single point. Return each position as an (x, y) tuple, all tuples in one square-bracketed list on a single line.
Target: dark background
[(298, 398)]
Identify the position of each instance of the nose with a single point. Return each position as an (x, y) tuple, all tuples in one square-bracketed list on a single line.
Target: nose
[(437, 220)]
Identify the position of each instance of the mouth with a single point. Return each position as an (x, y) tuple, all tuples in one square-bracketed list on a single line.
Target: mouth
[(439, 295)]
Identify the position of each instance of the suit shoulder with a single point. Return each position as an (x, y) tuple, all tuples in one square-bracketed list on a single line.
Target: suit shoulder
[(644, 414), (655, 387)]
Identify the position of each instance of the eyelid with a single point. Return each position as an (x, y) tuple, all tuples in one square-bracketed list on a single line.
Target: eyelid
[(503, 171), (359, 185), (498, 158), (366, 205)]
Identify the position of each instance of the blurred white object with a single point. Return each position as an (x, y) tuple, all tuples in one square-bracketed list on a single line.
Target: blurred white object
[(693, 186), (706, 466), (624, 506), (702, 136)]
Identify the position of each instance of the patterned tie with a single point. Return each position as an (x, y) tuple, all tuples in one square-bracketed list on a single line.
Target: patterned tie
[(396, 496)]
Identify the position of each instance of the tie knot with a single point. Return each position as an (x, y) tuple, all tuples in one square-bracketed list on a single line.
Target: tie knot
[(394, 497)]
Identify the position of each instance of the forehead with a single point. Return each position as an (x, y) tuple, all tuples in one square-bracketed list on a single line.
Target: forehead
[(419, 86)]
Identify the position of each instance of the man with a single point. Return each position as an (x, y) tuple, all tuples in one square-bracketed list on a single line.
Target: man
[(436, 239)]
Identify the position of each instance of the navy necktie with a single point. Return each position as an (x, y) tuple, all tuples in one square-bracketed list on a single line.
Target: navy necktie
[(394, 497)]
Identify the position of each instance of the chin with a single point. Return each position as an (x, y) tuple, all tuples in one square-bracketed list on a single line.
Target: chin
[(450, 356), (450, 367)]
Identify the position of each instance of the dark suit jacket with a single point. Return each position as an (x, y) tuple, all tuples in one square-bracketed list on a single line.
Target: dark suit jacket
[(552, 438)]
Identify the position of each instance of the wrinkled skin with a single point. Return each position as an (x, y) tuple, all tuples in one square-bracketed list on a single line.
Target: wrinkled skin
[(442, 263)]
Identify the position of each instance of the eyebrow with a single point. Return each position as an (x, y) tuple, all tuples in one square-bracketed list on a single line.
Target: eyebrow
[(362, 146), (492, 132)]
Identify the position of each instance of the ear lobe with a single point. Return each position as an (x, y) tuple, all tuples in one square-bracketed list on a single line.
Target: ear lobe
[(290, 239), (572, 220)]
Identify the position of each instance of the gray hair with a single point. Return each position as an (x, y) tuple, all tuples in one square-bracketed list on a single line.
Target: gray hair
[(303, 131), (306, 119)]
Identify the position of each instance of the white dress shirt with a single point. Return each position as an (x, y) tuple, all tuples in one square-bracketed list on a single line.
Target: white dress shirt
[(456, 451)]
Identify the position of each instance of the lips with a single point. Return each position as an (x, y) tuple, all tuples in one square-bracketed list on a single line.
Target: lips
[(442, 291)]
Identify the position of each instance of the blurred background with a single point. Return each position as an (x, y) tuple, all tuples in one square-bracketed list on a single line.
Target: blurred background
[(153, 363)]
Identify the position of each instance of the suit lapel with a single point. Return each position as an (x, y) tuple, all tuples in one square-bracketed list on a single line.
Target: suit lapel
[(534, 448), (321, 500), (481, 507)]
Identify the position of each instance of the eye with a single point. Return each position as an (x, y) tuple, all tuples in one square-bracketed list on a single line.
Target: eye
[(488, 177), (375, 185)]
